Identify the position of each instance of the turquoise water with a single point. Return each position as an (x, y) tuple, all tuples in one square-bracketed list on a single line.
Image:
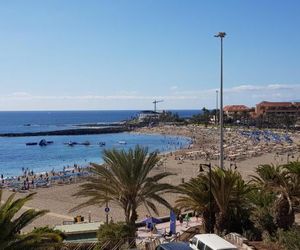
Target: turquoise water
[(15, 155)]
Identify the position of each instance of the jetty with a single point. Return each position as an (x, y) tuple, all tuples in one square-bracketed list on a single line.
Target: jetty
[(80, 131)]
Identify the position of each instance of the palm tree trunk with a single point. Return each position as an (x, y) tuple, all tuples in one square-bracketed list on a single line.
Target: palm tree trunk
[(221, 222), (284, 215), (130, 218), (208, 225)]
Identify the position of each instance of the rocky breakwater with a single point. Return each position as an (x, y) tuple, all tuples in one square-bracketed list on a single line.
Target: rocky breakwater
[(76, 131)]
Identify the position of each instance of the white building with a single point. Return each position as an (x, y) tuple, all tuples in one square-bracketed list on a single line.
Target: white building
[(147, 115)]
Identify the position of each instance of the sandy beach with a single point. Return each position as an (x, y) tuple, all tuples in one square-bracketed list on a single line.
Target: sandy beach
[(240, 151)]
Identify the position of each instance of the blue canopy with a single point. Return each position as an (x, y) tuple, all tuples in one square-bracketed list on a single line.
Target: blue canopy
[(151, 220)]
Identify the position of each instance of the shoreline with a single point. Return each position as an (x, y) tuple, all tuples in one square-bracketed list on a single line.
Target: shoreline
[(184, 163), (193, 149), (164, 143)]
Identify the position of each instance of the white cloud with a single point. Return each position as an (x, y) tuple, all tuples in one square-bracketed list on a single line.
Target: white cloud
[(20, 94), (242, 94), (242, 88), (96, 97), (125, 92), (252, 94), (281, 86)]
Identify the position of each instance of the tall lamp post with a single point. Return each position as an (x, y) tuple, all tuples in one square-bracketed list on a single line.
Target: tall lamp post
[(217, 106), (209, 195), (221, 35), (106, 209)]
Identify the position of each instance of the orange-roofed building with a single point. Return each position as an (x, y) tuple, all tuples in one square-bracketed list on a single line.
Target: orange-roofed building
[(236, 111), (235, 108), (278, 108)]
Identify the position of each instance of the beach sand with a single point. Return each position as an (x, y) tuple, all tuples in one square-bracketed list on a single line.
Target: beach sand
[(58, 199)]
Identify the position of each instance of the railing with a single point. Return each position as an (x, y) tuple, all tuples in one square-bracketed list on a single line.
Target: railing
[(79, 246), (126, 243), (238, 240)]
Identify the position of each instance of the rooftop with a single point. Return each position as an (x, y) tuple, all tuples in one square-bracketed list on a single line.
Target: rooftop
[(215, 241), (275, 104), (148, 112), (236, 108), (79, 227)]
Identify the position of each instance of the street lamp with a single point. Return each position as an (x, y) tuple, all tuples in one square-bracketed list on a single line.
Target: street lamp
[(221, 35), (217, 106), (106, 209), (209, 195)]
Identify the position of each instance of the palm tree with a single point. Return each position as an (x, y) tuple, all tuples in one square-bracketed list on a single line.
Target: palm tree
[(11, 225), (262, 203), (229, 191), (194, 195), (293, 173), (228, 195), (125, 180), (284, 182)]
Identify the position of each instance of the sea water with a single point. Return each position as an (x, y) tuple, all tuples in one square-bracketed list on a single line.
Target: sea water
[(15, 154)]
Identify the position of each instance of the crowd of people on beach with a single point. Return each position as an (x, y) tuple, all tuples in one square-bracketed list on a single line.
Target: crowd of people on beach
[(178, 144), (31, 180), (200, 144), (239, 144)]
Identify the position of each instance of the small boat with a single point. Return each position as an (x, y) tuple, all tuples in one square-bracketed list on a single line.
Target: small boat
[(49, 142), (31, 143), (122, 142), (43, 142), (86, 143), (70, 143), (101, 144)]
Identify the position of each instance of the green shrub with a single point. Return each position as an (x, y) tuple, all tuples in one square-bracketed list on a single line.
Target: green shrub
[(112, 234), (284, 239)]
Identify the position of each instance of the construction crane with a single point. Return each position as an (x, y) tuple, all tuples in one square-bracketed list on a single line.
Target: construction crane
[(154, 102)]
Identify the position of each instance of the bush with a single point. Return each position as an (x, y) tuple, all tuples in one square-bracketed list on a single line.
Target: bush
[(290, 239), (109, 235), (284, 239), (49, 230)]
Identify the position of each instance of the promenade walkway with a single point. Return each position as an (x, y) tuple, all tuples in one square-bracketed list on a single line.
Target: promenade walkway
[(145, 236)]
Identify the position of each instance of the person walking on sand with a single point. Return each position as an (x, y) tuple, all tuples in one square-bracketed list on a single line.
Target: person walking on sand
[(187, 219), (111, 220), (180, 219), (197, 216)]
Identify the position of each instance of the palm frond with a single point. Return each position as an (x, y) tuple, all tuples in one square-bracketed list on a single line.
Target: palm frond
[(124, 179), (11, 225)]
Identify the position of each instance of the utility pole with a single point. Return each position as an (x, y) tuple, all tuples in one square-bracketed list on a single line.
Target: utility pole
[(221, 35), (217, 106)]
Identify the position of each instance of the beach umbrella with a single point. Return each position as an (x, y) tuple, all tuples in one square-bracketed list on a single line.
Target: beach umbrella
[(151, 220), (173, 219)]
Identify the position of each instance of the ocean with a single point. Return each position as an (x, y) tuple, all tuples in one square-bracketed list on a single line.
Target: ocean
[(15, 154)]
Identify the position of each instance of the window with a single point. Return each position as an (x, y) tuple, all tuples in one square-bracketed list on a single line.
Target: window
[(194, 241), (201, 245)]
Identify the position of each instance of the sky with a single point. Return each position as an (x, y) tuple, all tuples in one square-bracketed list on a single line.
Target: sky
[(124, 54)]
